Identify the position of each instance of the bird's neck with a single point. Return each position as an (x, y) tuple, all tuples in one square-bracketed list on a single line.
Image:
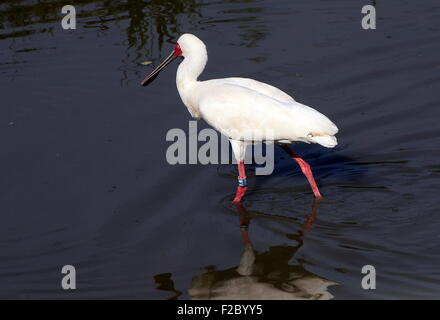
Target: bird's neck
[(190, 68), (187, 74)]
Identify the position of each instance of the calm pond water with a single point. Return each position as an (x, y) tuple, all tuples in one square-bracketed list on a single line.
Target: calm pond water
[(84, 178)]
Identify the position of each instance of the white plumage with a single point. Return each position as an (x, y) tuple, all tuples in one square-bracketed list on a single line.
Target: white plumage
[(241, 108), (245, 110)]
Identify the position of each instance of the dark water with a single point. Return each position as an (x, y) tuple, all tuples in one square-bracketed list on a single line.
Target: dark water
[(84, 179)]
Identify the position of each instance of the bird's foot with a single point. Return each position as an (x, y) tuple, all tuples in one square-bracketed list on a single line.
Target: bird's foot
[(239, 194), (318, 197)]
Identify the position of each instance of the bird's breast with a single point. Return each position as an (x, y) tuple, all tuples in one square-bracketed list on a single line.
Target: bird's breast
[(188, 94)]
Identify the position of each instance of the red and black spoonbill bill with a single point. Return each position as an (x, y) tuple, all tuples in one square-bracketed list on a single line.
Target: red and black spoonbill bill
[(241, 107)]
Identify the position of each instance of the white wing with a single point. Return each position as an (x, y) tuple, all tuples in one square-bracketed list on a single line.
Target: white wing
[(261, 87), (244, 108)]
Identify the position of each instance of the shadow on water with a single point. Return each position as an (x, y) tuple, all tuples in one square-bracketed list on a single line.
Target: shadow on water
[(329, 166), (259, 275)]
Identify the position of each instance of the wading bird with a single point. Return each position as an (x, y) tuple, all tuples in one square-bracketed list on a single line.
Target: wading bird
[(245, 110)]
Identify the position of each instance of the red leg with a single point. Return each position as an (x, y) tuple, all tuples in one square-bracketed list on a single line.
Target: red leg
[(242, 184), (306, 170)]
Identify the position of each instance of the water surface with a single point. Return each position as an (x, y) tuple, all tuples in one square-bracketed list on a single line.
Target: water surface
[(85, 180)]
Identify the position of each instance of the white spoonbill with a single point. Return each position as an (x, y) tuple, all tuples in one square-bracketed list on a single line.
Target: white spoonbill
[(245, 110)]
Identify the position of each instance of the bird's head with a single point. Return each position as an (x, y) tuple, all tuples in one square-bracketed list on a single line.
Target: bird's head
[(187, 45), (190, 45)]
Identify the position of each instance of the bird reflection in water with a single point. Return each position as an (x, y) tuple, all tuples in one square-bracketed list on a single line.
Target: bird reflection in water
[(165, 283), (265, 275)]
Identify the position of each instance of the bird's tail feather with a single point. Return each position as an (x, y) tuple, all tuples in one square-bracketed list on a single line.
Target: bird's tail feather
[(326, 141)]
